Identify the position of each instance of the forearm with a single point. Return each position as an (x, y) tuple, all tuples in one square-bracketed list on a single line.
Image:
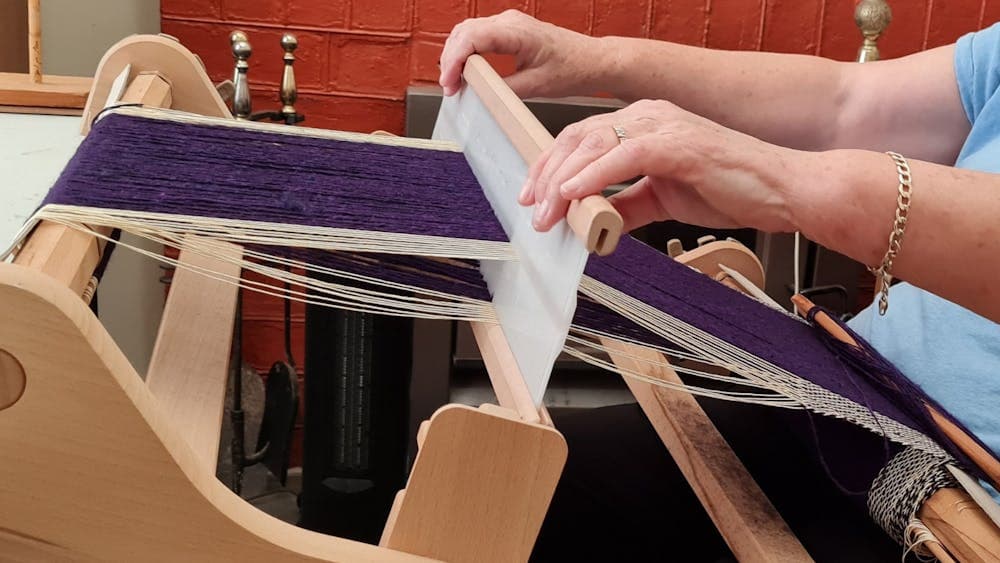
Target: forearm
[(789, 100), (951, 245)]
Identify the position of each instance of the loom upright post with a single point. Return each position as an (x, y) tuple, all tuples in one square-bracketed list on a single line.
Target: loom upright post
[(35, 40), (32, 92)]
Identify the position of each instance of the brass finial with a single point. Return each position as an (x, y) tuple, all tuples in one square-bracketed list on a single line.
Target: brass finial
[(872, 18), (289, 91), (241, 99)]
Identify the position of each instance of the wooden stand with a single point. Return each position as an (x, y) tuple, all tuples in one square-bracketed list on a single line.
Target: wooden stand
[(38, 93)]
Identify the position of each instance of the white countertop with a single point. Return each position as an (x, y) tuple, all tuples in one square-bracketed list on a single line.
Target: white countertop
[(34, 149)]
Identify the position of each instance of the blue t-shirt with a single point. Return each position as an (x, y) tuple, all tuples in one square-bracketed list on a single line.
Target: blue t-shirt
[(950, 352)]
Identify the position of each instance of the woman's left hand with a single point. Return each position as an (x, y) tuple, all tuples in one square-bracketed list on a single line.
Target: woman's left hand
[(693, 171)]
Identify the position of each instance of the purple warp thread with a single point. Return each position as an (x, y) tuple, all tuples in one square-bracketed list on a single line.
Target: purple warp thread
[(142, 164), (153, 165), (868, 379)]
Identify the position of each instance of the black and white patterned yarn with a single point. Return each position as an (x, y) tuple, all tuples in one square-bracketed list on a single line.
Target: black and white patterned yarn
[(902, 487)]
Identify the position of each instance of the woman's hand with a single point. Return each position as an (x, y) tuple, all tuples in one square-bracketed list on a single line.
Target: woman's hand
[(693, 170), (551, 61)]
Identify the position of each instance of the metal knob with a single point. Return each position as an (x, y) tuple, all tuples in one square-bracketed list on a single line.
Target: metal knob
[(289, 91), (234, 38), (241, 99), (872, 18)]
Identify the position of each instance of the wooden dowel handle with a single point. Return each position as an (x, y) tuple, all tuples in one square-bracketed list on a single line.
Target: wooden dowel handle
[(596, 222), (35, 40)]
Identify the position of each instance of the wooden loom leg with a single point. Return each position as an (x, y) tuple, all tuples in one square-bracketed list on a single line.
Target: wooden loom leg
[(744, 516), (480, 486), (190, 363)]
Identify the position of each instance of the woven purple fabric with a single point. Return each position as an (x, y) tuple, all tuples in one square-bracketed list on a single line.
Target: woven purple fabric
[(153, 165)]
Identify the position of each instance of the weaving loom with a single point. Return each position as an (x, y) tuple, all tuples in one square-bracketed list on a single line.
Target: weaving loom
[(402, 227)]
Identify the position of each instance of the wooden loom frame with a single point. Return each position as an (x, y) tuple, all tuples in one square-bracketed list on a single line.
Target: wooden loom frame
[(480, 485)]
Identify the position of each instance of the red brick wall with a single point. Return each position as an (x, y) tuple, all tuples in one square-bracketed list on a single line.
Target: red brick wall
[(355, 58)]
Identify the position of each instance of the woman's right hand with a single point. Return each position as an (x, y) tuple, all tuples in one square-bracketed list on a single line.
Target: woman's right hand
[(551, 61)]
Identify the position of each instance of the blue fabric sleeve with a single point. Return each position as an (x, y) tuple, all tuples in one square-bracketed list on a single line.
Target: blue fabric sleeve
[(977, 68)]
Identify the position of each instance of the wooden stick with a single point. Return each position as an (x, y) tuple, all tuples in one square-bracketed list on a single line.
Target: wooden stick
[(961, 525), (35, 40), (508, 383)]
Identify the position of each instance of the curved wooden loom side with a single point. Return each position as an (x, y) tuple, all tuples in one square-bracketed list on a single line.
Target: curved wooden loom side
[(94, 468), (190, 86)]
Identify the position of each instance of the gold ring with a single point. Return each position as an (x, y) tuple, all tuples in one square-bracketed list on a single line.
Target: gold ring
[(619, 132)]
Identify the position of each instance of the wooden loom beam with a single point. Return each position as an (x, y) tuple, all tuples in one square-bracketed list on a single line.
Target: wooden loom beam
[(66, 254)]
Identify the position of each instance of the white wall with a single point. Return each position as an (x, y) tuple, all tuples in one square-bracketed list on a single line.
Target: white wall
[(76, 33)]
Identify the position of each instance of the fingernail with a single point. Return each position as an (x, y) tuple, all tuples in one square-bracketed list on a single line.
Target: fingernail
[(570, 188), (541, 210), (524, 191)]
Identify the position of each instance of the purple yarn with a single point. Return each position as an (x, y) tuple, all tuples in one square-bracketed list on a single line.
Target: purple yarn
[(867, 379), (153, 165), (874, 368)]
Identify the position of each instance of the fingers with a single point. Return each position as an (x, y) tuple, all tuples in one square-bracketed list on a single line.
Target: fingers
[(579, 146), (620, 164), (480, 35), (592, 146)]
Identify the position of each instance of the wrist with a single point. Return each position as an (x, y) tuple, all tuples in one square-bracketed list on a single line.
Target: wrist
[(848, 203), (605, 69)]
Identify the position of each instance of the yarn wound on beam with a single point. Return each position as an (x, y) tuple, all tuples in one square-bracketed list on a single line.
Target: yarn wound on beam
[(393, 226)]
